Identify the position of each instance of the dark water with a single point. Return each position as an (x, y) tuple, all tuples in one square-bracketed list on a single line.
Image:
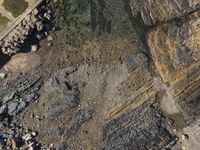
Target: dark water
[(3, 59), (31, 40)]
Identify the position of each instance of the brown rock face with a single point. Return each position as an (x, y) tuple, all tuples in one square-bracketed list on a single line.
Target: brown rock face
[(154, 11), (175, 48)]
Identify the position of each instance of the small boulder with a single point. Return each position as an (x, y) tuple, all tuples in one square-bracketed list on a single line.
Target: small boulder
[(34, 48), (27, 137)]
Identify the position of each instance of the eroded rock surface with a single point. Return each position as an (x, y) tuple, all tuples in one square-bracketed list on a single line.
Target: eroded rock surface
[(152, 12), (23, 62), (175, 48), (62, 93), (139, 129), (117, 95)]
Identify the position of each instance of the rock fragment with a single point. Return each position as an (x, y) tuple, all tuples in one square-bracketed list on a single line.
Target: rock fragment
[(3, 75), (27, 137), (34, 48)]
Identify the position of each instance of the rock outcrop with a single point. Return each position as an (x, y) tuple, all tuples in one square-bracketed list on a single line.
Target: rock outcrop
[(115, 96), (174, 42), (140, 129), (175, 49), (152, 12)]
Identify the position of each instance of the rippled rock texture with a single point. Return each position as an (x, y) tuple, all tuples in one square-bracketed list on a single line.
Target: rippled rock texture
[(121, 92), (175, 48), (155, 11)]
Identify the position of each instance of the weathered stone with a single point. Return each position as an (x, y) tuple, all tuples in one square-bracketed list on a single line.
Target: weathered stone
[(175, 49), (49, 38), (27, 137), (62, 93), (35, 11), (152, 12), (12, 107), (39, 25), (3, 75), (34, 48), (3, 109), (138, 129)]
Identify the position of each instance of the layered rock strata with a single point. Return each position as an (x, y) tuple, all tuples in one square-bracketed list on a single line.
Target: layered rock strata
[(139, 129), (174, 45), (125, 93), (175, 48), (152, 12)]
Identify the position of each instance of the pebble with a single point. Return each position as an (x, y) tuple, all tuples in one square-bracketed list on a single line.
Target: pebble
[(34, 134), (49, 44)]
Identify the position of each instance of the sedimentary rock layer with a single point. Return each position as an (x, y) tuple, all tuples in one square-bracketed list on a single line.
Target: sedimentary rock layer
[(154, 11), (142, 128), (175, 48)]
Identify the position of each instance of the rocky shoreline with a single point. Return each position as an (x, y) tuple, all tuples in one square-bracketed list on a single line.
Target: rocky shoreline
[(111, 92), (36, 23)]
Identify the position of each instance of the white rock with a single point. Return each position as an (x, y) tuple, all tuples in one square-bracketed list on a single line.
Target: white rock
[(11, 51), (49, 38), (34, 48), (39, 25), (2, 109), (27, 137), (46, 33), (35, 11), (31, 148), (34, 134), (39, 37), (51, 146), (3, 75)]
